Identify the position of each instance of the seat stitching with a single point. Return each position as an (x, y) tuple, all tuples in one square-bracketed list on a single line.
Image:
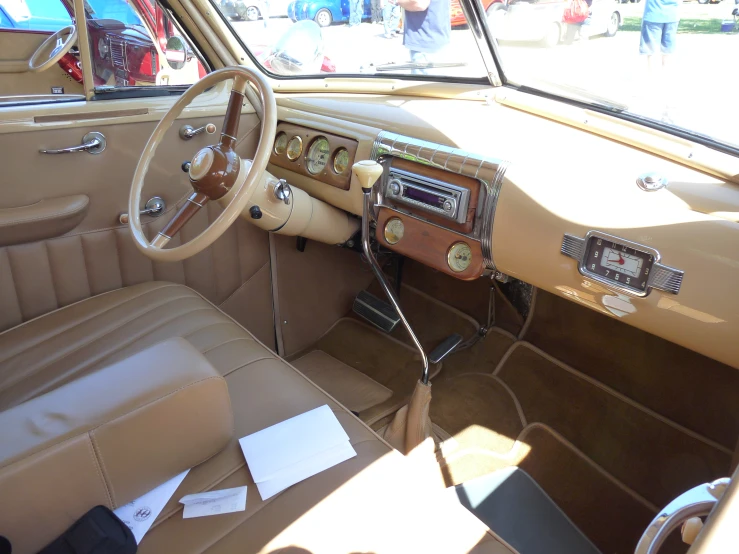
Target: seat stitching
[(188, 335), (106, 478), (224, 343), (83, 321), (94, 339), (99, 471), (248, 363)]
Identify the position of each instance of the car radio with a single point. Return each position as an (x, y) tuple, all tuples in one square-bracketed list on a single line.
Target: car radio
[(427, 194)]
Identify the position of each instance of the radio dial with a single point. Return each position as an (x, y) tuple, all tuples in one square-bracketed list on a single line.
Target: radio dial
[(448, 206), (394, 187)]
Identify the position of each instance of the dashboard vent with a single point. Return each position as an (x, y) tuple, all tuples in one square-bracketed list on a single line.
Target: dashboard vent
[(118, 53)]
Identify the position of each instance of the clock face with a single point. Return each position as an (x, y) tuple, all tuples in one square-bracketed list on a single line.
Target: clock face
[(394, 231), (624, 266)]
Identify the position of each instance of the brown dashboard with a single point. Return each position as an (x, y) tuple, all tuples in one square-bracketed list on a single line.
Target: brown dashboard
[(315, 154)]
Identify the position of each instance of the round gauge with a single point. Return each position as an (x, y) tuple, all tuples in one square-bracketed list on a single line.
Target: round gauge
[(341, 160), (459, 257), (280, 144), (394, 230), (294, 148), (317, 157)]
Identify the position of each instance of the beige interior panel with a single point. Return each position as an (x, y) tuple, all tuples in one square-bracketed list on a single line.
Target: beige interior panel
[(18, 46), (556, 184)]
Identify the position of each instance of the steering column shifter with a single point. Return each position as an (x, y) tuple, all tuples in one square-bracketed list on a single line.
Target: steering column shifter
[(411, 424)]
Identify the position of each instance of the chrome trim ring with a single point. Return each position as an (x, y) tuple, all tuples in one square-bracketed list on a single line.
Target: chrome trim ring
[(489, 171)]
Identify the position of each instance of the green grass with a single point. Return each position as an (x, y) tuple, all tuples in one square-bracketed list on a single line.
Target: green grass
[(691, 26)]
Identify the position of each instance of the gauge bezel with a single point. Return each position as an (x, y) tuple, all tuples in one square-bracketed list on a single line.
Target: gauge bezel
[(312, 145), (385, 231), (449, 256), (300, 150), (276, 151), (336, 155)]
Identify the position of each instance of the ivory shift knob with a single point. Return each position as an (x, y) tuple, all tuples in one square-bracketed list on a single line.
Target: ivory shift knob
[(367, 173)]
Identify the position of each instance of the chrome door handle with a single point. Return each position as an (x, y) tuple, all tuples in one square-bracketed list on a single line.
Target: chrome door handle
[(93, 143)]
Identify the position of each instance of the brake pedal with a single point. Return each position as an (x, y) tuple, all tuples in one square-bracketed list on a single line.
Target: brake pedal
[(445, 348), (378, 312)]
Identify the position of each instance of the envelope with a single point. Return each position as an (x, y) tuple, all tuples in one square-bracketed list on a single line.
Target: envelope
[(213, 503), (295, 449)]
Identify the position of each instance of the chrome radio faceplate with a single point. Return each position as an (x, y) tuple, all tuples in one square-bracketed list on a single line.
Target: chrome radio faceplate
[(445, 199)]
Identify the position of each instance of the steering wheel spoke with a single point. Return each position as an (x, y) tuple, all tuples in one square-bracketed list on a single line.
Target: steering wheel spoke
[(188, 210), (215, 172), (233, 113), (53, 49)]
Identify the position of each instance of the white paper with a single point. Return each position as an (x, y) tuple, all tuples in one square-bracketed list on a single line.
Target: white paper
[(212, 503), (304, 469), (141, 513), (295, 449), (275, 448)]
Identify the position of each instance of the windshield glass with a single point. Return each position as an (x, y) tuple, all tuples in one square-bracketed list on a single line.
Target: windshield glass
[(383, 37), (118, 10), (669, 61)]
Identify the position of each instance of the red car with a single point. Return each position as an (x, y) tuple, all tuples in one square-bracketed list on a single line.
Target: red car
[(457, 15)]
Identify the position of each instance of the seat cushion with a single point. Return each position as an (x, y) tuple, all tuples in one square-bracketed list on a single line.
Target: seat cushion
[(372, 502)]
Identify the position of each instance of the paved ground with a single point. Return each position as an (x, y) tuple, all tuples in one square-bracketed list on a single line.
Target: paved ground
[(699, 91)]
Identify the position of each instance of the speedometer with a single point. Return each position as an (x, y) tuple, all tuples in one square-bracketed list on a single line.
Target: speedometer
[(317, 156)]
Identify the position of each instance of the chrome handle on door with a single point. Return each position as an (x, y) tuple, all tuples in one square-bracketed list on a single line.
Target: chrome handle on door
[(92, 143), (154, 207)]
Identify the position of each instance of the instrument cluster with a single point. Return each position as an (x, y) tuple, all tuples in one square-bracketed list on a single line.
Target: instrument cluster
[(316, 154)]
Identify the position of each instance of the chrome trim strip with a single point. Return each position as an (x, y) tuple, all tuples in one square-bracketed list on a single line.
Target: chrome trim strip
[(489, 171), (478, 24), (165, 236), (196, 203), (227, 135)]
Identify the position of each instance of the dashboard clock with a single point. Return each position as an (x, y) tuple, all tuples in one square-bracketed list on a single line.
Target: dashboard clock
[(624, 265)]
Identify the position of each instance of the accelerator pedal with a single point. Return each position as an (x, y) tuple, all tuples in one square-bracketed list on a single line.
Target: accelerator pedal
[(378, 312)]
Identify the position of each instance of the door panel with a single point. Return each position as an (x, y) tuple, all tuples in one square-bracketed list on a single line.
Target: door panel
[(16, 48), (98, 254)]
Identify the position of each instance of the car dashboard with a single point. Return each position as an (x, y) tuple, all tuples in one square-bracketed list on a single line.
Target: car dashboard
[(511, 206)]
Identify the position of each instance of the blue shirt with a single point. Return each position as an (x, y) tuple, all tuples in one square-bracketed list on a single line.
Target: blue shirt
[(429, 30), (661, 11)]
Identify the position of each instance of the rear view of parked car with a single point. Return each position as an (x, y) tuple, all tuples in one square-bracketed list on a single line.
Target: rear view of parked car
[(324, 12)]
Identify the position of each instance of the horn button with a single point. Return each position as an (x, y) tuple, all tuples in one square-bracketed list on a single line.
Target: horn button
[(213, 171)]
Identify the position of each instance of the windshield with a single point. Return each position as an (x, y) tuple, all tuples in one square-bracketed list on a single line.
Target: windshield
[(668, 61), (384, 37), (118, 10)]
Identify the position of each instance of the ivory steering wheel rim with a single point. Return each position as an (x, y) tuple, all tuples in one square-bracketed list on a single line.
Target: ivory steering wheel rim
[(57, 52), (208, 180)]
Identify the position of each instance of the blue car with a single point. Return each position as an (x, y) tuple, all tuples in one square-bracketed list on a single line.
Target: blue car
[(35, 15), (324, 12)]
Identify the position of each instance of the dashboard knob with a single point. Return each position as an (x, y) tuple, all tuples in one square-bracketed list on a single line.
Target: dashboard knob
[(394, 187), (255, 212), (186, 167)]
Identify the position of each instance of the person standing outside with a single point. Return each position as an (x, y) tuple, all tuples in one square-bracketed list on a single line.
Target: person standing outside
[(658, 33), (376, 10), (427, 29), (391, 18), (356, 11)]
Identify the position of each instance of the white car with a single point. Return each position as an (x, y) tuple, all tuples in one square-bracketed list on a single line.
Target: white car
[(252, 10), (543, 21)]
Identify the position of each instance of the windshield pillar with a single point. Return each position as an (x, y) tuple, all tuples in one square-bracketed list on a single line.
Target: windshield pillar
[(478, 25)]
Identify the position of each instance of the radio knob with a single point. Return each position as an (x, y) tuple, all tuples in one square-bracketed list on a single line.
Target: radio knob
[(448, 206), (394, 188)]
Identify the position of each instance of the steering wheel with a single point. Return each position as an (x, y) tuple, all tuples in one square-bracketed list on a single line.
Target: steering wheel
[(53, 49), (214, 170)]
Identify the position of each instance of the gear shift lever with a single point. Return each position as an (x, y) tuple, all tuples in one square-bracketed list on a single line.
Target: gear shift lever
[(367, 173), (411, 424)]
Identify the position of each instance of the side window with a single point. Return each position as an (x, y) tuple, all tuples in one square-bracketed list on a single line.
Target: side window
[(34, 15), (134, 44)]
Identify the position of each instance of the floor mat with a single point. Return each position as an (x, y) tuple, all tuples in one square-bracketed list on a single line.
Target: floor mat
[(645, 452), (481, 357), (663, 376), (356, 391), (385, 360)]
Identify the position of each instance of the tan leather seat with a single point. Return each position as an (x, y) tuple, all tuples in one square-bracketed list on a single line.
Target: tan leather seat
[(373, 502)]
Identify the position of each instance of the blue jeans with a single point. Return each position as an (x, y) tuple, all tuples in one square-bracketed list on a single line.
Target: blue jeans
[(356, 10), (420, 57), (654, 35), (390, 17)]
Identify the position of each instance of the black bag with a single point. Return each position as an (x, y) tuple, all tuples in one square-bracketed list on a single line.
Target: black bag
[(99, 531)]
